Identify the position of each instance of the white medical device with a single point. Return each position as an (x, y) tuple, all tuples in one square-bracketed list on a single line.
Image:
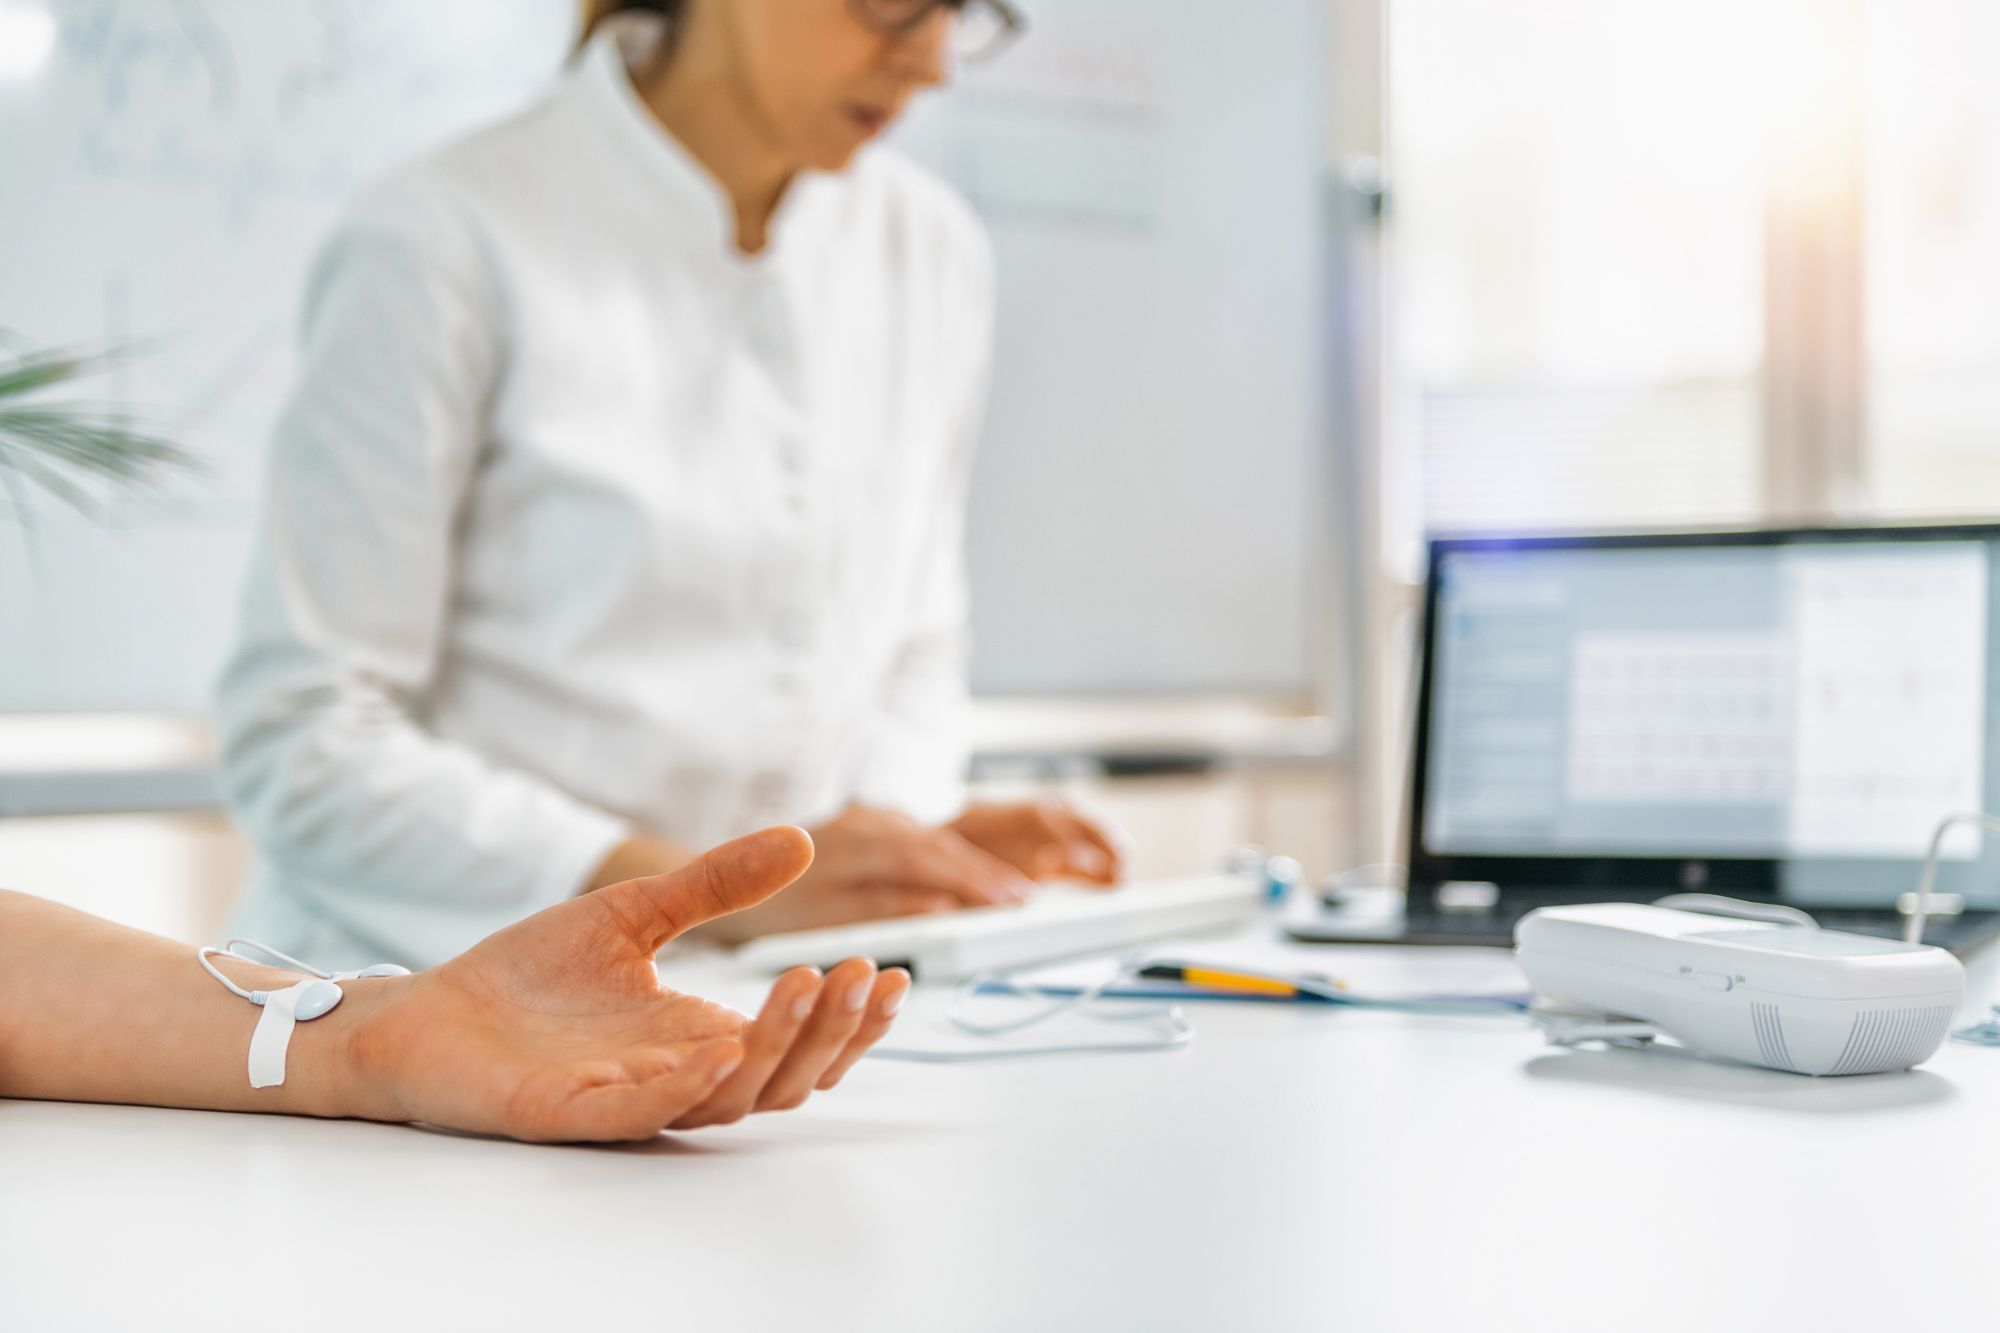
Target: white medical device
[(1787, 996)]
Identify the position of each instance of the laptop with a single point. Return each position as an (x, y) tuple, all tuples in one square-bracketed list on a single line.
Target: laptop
[(1780, 716)]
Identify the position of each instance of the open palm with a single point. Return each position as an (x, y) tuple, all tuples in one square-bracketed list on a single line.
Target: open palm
[(558, 1027)]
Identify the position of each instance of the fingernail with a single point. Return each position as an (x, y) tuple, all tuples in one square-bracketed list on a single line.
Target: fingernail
[(727, 1067), (803, 1005), (895, 1002), (857, 994)]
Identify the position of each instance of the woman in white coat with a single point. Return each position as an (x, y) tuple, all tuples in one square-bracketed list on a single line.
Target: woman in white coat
[(619, 509)]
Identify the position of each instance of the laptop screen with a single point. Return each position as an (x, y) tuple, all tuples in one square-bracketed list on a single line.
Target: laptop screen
[(1815, 699)]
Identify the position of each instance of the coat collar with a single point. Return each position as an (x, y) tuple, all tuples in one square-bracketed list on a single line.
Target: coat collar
[(601, 82)]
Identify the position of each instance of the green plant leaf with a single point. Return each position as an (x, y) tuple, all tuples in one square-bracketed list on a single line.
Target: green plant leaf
[(61, 447)]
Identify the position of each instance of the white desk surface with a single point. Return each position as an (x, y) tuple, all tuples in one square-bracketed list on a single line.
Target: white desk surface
[(1296, 1168)]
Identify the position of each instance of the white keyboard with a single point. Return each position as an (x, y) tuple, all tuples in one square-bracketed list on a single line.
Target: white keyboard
[(1057, 923)]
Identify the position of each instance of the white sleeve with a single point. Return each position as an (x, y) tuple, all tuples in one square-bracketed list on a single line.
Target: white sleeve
[(325, 760), (918, 755)]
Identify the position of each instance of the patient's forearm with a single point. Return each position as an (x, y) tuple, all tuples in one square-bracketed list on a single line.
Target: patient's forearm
[(556, 1027), (92, 1011)]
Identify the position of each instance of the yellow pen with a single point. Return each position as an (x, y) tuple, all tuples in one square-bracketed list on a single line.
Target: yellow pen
[(1242, 983)]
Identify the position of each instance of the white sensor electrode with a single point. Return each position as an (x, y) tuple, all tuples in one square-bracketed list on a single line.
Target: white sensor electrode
[(284, 1009), (1789, 997)]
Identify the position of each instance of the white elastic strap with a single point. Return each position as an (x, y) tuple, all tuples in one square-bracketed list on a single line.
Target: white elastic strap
[(273, 1035)]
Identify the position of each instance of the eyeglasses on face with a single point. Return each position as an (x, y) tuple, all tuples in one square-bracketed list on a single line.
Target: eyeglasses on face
[(980, 29)]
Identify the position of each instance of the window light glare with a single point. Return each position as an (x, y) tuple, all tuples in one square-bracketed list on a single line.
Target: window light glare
[(26, 38)]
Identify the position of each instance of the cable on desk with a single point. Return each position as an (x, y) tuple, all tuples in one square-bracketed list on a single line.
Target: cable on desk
[(1174, 1030)]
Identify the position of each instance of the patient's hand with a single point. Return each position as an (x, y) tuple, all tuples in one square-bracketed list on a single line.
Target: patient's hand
[(558, 1028)]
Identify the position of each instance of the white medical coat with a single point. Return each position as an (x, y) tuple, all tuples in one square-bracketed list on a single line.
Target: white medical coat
[(581, 522)]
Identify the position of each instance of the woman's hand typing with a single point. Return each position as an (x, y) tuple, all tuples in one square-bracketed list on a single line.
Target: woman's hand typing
[(871, 863), (1043, 840)]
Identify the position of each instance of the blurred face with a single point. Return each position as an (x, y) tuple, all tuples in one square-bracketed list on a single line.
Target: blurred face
[(821, 80)]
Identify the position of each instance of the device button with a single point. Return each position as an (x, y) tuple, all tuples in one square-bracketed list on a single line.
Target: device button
[(1712, 980)]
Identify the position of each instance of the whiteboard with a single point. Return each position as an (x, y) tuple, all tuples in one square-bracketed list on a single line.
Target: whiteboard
[(168, 175), (1142, 506)]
